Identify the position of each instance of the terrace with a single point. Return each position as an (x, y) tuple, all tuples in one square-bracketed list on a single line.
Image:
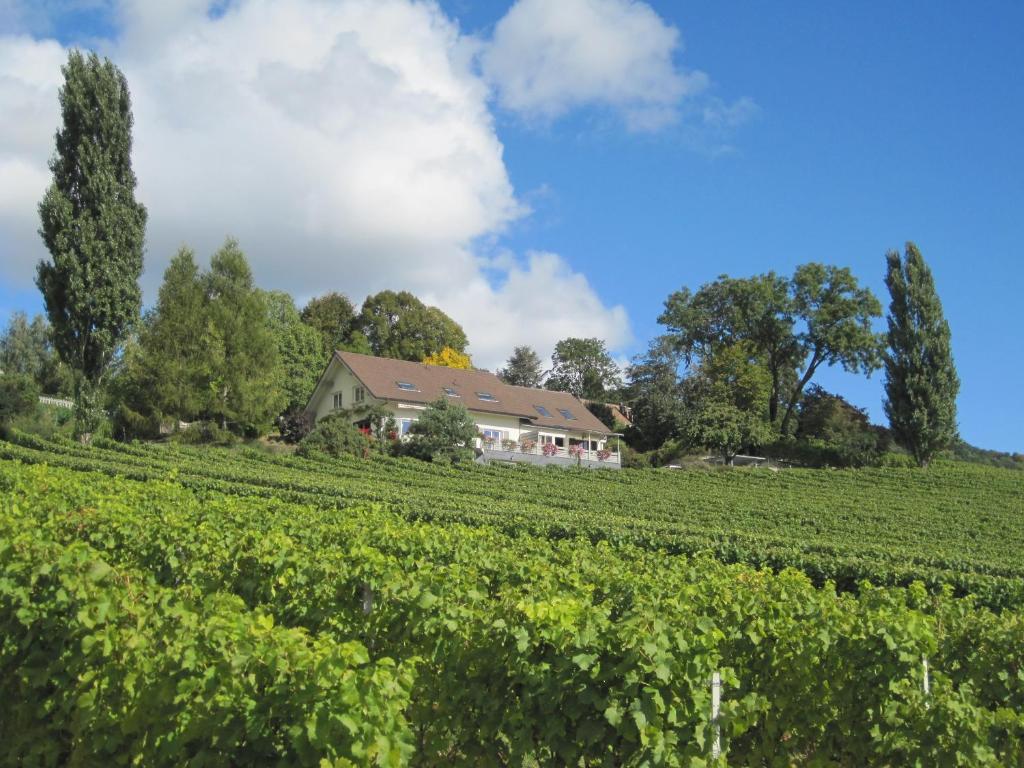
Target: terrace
[(530, 449)]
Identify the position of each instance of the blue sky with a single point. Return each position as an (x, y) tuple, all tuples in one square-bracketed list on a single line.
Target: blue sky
[(856, 127)]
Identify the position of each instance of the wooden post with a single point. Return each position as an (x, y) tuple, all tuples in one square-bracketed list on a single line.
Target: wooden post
[(716, 704), (927, 681), (367, 599)]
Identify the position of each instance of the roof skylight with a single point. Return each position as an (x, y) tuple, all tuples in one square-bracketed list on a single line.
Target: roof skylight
[(487, 397), (566, 413), (542, 410), (407, 386)]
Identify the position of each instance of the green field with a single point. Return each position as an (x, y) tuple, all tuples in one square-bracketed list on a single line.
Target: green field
[(204, 606)]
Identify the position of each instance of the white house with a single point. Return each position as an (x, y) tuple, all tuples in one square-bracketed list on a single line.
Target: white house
[(515, 423)]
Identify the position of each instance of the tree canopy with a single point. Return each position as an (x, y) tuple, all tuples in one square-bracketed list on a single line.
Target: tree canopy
[(523, 368), (819, 316), (92, 225), (584, 368), (335, 318), (26, 348), (208, 349), (921, 383), (299, 349), (401, 326), (450, 358)]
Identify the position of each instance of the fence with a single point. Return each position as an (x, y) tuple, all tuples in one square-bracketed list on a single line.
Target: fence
[(57, 402)]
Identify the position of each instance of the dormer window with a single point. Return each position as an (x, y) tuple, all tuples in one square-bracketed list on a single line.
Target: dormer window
[(487, 397), (567, 414), (406, 386)]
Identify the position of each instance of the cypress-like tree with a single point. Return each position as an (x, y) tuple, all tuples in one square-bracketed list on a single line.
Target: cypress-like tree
[(921, 383), (92, 226)]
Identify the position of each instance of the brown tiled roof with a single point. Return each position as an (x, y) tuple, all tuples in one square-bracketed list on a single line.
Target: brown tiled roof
[(380, 375)]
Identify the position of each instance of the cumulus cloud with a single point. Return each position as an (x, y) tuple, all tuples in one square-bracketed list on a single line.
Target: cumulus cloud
[(547, 58), (347, 145)]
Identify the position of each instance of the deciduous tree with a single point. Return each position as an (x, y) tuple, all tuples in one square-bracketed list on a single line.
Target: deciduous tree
[(92, 226), (335, 318), (584, 368), (819, 317), (299, 349), (921, 383), (450, 358), (401, 326), (26, 348)]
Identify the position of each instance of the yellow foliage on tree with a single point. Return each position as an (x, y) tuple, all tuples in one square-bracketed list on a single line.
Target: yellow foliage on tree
[(449, 358)]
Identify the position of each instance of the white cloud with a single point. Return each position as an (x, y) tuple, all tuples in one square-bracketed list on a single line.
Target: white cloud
[(548, 57), (348, 145)]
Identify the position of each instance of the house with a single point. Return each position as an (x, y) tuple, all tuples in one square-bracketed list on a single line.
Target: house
[(516, 423)]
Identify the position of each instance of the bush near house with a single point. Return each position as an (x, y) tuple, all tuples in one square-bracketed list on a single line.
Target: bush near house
[(444, 432), (335, 435)]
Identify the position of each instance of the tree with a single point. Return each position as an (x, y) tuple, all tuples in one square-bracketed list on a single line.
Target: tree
[(584, 368), (726, 401), (401, 326), (921, 383), (450, 358), (655, 394), (444, 431), (245, 384), (819, 317), (335, 318), (19, 395), (92, 226), (299, 349), (523, 368), (722, 426), (26, 348), (170, 371), (832, 431)]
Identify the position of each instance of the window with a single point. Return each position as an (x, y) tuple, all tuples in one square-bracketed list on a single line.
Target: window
[(544, 439), (405, 426), (566, 413), (542, 410), (487, 397), (405, 385), (492, 435), (337, 400), (358, 395), (451, 392)]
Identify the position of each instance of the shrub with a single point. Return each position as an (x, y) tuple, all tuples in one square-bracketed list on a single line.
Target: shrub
[(526, 445), (550, 449), (336, 436), (205, 432), (295, 425), (509, 444), (445, 432)]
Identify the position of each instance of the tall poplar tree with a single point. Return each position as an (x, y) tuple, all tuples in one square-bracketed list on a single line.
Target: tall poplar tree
[(92, 226), (921, 383)]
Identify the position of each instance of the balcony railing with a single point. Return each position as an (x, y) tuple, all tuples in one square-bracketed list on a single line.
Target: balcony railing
[(604, 456)]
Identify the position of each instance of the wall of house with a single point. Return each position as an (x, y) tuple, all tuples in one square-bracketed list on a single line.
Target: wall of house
[(339, 380)]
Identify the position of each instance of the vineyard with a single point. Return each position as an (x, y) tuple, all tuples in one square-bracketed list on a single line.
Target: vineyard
[(959, 524), (175, 605)]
